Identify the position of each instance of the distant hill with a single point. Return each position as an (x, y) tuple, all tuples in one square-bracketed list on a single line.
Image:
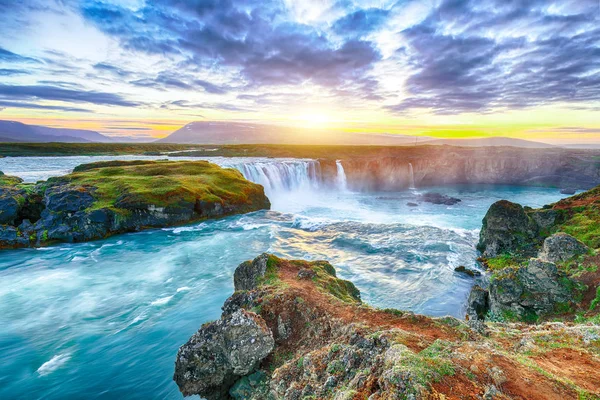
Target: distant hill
[(13, 131), (206, 132), (213, 132), (491, 141)]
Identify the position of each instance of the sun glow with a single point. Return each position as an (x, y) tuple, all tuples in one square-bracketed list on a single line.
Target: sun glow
[(314, 120)]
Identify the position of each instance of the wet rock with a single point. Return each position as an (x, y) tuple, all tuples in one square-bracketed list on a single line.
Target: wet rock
[(561, 247), (568, 191), (467, 271), (222, 352), (410, 204), (248, 274), (438, 198), (507, 229)]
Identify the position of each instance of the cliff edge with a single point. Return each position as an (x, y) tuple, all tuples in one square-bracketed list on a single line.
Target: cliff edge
[(294, 330)]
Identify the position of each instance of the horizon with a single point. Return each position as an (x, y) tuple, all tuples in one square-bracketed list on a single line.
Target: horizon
[(443, 69)]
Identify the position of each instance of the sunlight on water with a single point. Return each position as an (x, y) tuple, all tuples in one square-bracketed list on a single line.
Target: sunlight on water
[(104, 319)]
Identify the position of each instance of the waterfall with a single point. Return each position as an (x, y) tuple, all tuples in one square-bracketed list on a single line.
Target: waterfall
[(341, 176), (412, 177), (281, 175)]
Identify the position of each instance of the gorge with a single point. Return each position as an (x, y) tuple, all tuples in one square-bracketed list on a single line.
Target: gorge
[(177, 278)]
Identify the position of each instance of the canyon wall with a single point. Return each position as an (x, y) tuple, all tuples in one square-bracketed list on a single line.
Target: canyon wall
[(440, 165)]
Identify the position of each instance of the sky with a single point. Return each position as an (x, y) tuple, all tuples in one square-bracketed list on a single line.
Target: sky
[(446, 68)]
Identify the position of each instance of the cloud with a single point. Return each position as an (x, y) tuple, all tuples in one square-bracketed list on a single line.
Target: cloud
[(44, 92), (568, 130), (255, 39), (183, 104), (14, 104), (12, 72), (9, 56), (469, 56), (112, 69), (361, 22)]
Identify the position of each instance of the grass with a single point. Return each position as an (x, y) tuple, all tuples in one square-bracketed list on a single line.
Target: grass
[(596, 301), (429, 365), (7, 180), (326, 279), (162, 183), (501, 262)]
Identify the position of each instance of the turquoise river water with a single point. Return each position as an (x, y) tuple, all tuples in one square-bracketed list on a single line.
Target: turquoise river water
[(105, 319)]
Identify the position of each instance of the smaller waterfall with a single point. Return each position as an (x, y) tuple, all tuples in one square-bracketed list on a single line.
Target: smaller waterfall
[(412, 177), (341, 181)]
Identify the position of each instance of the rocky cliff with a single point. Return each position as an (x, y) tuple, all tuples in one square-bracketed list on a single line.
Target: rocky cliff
[(294, 330), (393, 168), (543, 262), (101, 199)]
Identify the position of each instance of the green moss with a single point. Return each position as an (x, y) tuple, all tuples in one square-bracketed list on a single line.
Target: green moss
[(325, 279), (162, 183), (430, 365), (7, 180), (501, 262), (596, 300)]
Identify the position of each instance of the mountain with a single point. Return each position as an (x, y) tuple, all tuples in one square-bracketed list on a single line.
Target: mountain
[(490, 141), (207, 132), (13, 131), (213, 132)]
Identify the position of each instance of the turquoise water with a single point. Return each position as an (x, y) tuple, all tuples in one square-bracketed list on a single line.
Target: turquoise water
[(104, 319)]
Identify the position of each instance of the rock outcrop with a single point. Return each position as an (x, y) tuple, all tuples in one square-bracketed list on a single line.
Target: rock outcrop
[(248, 274), (561, 247), (328, 345), (536, 267), (530, 291), (222, 352), (507, 228), (103, 199)]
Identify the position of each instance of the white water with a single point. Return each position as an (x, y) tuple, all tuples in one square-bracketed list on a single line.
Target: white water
[(412, 177), (341, 180)]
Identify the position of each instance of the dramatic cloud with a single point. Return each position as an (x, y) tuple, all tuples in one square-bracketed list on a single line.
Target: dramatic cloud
[(4, 104), (473, 56), (255, 38), (400, 59), (42, 92), (10, 57)]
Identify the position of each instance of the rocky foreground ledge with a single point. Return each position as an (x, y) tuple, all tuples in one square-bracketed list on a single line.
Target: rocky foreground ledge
[(293, 330), (105, 198)]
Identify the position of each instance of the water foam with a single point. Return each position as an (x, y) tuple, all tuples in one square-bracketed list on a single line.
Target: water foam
[(55, 363)]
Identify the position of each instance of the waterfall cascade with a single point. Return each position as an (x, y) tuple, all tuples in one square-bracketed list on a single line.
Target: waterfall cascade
[(412, 177), (341, 181), (282, 175)]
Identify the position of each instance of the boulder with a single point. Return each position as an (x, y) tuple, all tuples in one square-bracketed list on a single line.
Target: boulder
[(438, 198), (561, 247), (507, 229), (11, 200), (68, 199), (530, 291), (478, 303), (247, 275), (222, 352), (467, 271)]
